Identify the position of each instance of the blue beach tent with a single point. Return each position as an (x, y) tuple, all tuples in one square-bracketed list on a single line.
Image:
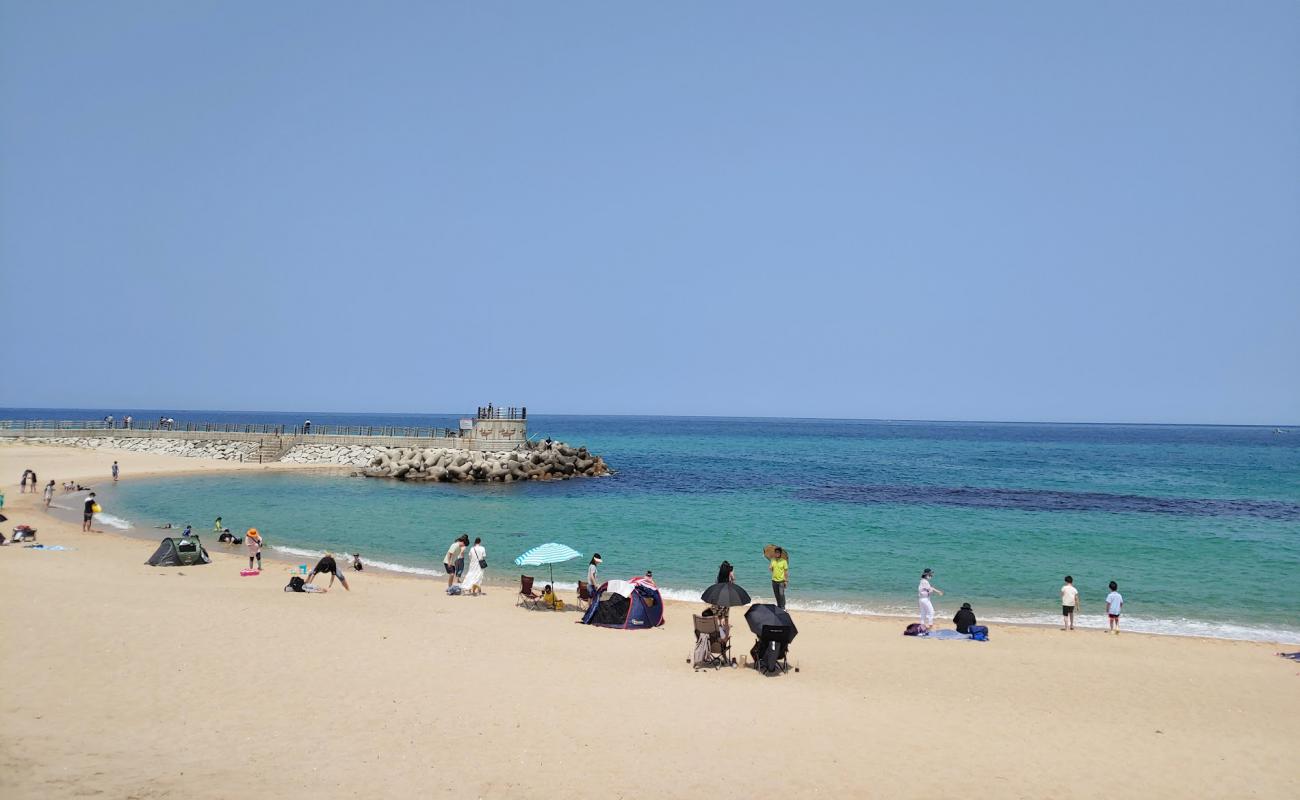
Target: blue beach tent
[(629, 605)]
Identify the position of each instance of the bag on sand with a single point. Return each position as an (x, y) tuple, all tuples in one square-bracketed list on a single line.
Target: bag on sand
[(979, 633), (701, 654), (295, 584), (915, 629)]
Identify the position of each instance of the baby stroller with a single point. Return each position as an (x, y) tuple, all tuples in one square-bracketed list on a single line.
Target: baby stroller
[(775, 631), (712, 645)]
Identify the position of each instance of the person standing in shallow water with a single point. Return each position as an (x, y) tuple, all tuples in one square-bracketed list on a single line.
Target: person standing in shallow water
[(779, 566), (114, 472)]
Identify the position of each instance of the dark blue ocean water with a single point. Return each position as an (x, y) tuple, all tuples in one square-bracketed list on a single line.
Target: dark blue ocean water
[(1200, 525)]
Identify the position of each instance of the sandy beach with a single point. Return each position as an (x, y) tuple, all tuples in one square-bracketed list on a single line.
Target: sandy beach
[(124, 680)]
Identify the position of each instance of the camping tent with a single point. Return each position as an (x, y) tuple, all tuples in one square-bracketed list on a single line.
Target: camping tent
[(179, 553), (635, 603)]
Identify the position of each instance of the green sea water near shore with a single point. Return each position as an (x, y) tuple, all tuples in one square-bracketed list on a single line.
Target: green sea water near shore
[(1200, 525)]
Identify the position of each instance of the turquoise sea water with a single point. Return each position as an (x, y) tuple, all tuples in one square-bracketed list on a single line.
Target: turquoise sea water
[(1199, 525)]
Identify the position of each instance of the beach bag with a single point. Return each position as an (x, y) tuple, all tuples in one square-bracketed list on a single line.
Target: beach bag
[(295, 585), (915, 629), (482, 562), (454, 589), (979, 633), (701, 655)]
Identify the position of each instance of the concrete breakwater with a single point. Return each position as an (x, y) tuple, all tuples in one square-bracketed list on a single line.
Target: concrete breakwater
[(532, 461), (527, 461)]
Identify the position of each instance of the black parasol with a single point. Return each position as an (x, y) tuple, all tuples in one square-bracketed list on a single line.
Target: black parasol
[(768, 621), (726, 595)]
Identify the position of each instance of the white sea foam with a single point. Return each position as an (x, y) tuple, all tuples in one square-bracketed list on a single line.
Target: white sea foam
[(113, 522), (1132, 623)]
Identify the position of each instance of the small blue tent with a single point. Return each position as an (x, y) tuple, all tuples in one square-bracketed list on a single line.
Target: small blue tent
[(626, 604)]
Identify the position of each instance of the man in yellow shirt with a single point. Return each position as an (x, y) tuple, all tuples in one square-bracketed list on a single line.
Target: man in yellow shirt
[(779, 566)]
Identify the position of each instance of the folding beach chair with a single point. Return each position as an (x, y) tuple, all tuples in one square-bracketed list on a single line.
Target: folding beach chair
[(527, 597), (584, 596), (712, 647)]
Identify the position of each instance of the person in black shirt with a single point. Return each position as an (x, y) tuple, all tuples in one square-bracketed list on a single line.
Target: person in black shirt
[(328, 564), (964, 618), (89, 513)]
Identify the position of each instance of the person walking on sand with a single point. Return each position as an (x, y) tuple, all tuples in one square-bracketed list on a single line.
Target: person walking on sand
[(1114, 606), (779, 566), (923, 592), (253, 541), (455, 554), (88, 513), (114, 472), (475, 564), (1069, 602), (49, 493)]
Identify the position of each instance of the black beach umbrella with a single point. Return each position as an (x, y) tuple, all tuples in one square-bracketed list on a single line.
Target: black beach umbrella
[(726, 595), (767, 615)]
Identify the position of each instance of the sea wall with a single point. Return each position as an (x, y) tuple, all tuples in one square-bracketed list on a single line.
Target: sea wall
[(352, 455), (532, 462), (189, 448)]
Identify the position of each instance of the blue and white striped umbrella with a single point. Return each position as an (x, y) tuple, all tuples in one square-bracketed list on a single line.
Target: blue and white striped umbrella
[(549, 553)]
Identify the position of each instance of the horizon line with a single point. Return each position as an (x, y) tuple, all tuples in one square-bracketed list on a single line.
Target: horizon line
[(719, 416)]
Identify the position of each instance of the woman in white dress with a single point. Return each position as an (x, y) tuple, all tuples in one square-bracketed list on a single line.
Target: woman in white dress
[(475, 561), (923, 592)]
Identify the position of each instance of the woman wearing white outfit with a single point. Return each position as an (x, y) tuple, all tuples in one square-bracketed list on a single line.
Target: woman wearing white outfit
[(923, 592), (475, 559)]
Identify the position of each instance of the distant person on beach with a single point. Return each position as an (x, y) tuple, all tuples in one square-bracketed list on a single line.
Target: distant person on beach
[(33, 481), (328, 564), (226, 537), (964, 618), (253, 541), (115, 471), (726, 573), (126, 421), (49, 493), (592, 580), (1069, 602), (1114, 606), (454, 561), (306, 427), (923, 592), (779, 566), (475, 564), (217, 527), (185, 534), (356, 562), (88, 513), (22, 485)]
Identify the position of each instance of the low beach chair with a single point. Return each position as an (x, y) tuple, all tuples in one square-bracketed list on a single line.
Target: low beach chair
[(584, 596), (527, 597)]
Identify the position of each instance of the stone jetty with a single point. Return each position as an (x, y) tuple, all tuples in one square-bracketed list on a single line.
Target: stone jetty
[(533, 461)]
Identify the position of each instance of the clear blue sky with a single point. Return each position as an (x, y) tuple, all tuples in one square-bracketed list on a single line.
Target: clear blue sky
[(1013, 211)]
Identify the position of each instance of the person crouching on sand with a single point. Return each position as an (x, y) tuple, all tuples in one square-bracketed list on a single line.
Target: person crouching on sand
[(253, 540), (923, 592), (328, 564), (451, 562)]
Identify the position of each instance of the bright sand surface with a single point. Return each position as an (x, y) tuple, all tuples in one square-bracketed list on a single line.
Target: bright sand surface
[(123, 680)]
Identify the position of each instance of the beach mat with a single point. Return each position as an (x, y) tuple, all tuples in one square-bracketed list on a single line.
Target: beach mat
[(945, 635)]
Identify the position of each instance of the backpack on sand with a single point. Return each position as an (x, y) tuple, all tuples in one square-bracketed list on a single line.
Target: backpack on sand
[(979, 633), (295, 585)]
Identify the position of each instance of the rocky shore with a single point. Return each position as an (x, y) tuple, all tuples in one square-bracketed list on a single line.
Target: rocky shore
[(189, 448), (536, 461)]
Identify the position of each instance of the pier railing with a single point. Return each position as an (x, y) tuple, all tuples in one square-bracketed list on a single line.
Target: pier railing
[(55, 425)]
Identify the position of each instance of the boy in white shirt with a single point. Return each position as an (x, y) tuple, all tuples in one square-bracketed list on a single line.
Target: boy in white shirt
[(1069, 602), (1114, 605)]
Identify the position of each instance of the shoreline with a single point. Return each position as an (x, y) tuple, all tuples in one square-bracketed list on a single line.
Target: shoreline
[(394, 688), (1224, 630)]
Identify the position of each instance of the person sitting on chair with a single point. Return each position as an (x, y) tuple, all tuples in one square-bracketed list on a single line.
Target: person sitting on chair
[(964, 618)]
